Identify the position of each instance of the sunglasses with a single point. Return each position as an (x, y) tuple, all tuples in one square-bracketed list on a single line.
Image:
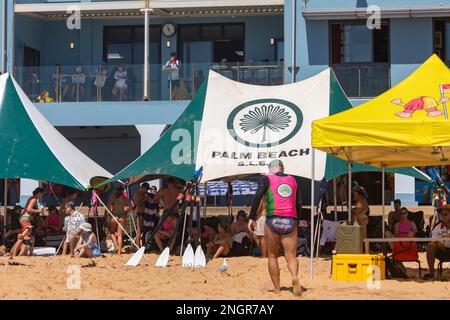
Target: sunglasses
[(444, 214), (404, 212)]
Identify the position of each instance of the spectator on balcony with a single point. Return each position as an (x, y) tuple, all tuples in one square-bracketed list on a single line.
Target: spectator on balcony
[(78, 82), (174, 74), (121, 86), (100, 80), (60, 84)]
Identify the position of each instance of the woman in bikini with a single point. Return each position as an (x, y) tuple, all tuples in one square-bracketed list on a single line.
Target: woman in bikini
[(25, 241), (119, 205), (360, 212), (166, 230)]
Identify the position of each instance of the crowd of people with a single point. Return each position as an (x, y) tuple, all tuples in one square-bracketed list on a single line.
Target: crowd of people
[(274, 222)]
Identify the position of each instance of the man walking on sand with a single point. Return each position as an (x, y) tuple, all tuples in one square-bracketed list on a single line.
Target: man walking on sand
[(283, 205)]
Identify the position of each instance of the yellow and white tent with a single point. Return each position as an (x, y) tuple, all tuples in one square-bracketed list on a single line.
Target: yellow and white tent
[(407, 125)]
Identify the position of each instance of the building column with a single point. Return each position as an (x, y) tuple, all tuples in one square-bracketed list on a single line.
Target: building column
[(9, 45)]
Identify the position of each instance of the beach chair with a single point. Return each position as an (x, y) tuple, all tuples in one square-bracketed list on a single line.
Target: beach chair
[(441, 267), (406, 251)]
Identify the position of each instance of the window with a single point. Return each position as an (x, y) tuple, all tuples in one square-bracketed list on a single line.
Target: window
[(442, 39), (360, 57), (207, 43), (123, 44), (353, 42)]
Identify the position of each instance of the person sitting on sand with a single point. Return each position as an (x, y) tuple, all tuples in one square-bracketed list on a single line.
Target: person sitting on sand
[(53, 222), (240, 225), (87, 246), (166, 230), (222, 243), (72, 224)]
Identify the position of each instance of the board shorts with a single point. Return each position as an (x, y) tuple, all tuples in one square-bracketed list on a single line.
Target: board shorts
[(259, 228), (282, 226)]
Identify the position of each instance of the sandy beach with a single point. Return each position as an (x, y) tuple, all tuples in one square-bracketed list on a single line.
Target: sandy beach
[(247, 278)]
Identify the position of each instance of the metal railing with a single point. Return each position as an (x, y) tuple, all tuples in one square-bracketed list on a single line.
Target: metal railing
[(97, 83), (363, 80)]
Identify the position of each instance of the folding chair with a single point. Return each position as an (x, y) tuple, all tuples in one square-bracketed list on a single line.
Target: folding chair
[(406, 251)]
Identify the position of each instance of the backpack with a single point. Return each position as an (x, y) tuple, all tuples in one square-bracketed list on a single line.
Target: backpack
[(395, 269), (241, 249)]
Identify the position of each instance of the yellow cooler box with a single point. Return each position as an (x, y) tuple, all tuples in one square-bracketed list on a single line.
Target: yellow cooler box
[(358, 267)]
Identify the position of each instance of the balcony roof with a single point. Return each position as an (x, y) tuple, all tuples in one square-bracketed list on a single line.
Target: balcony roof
[(161, 8), (391, 12)]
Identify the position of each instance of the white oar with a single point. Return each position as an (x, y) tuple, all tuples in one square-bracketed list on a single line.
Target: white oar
[(188, 256), (199, 257), (136, 258)]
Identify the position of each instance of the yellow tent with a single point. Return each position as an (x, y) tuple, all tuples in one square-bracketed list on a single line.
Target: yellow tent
[(407, 125)]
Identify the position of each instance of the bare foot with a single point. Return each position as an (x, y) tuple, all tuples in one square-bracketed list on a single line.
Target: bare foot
[(436, 113), (297, 289), (404, 114)]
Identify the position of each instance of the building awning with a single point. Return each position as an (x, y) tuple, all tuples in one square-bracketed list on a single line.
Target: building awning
[(160, 8), (364, 13)]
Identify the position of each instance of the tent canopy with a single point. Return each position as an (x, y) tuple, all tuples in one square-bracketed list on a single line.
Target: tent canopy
[(405, 126), (30, 147), (234, 129)]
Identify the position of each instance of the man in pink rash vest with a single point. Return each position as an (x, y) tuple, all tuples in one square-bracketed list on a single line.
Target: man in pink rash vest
[(283, 206)]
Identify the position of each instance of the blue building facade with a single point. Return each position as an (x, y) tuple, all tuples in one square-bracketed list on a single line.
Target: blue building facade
[(49, 43)]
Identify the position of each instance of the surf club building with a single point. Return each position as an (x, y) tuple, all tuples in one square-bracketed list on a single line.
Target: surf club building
[(84, 62)]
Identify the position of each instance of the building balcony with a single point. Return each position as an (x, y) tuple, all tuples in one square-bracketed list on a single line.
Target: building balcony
[(94, 83), (363, 80)]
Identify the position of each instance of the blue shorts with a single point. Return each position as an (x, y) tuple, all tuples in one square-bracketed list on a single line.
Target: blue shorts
[(96, 252), (281, 225)]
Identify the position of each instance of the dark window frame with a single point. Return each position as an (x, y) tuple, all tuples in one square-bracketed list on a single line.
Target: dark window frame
[(357, 22), (201, 39), (134, 40)]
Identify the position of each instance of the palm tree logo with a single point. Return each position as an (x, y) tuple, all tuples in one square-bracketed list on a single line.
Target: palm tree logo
[(274, 118)]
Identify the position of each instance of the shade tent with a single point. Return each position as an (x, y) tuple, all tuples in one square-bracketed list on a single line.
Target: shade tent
[(407, 125), (233, 129), (30, 147)]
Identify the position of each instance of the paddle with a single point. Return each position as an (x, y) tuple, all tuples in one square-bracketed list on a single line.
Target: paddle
[(167, 213), (136, 258), (188, 256), (164, 257), (199, 257)]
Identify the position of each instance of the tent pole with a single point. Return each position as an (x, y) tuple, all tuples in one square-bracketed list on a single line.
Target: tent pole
[(5, 205), (349, 204), (383, 186), (335, 198), (313, 155), (205, 194)]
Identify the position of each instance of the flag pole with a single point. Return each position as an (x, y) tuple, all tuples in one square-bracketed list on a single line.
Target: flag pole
[(443, 102)]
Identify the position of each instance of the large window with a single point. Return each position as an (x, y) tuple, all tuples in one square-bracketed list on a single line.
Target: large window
[(360, 57), (124, 45), (207, 43), (353, 42), (442, 39)]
